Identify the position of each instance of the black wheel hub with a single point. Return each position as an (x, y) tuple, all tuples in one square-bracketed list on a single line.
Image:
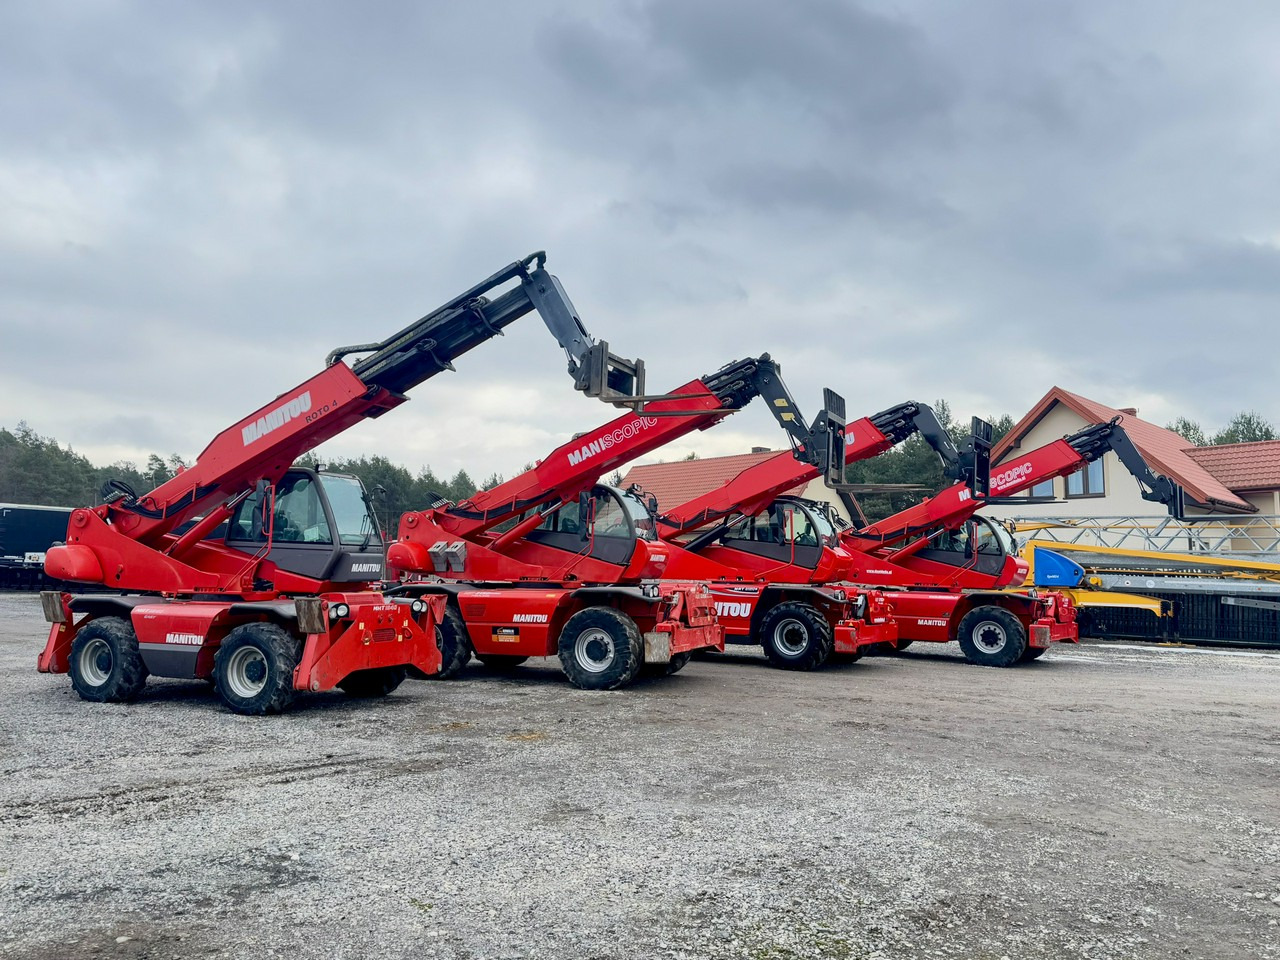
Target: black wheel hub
[(103, 661), (255, 671), (597, 650)]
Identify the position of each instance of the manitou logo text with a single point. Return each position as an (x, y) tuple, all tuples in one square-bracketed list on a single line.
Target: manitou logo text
[(366, 568), (186, 639), (602, 443), (1006, 477), (932, 623), (732, 609), (277, 418), (530, 618)]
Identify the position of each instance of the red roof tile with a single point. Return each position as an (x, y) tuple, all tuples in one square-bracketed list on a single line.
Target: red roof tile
[(681, 481), (1164, 450), (1242, 466)]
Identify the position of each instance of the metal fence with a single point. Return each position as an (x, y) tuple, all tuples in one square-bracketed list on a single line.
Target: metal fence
[(1244, 537)]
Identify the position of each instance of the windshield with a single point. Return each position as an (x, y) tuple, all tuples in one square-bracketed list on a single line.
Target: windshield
[(298, 515), (351, 510), (640, 518), (784, 522), (822, 524), (993, 538)]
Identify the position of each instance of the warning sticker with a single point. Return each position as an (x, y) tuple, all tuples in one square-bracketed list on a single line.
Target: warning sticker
[(506, 634)]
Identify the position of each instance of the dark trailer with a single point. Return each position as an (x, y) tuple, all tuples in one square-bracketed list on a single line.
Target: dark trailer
[(26, 532)]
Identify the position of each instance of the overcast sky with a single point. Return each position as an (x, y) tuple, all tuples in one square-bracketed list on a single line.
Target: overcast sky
[(900, 200)]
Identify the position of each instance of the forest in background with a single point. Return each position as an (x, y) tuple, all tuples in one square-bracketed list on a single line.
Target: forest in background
[(38, 470)]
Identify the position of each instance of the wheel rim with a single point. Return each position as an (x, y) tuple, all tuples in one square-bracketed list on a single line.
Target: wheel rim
[(95, 662), (791, 637), (989, 637), (594, 650), (246, 672)]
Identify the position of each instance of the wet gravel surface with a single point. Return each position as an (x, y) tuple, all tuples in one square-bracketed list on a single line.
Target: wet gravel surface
[(1105, 802)]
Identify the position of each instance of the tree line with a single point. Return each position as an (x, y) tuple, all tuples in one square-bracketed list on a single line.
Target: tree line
[(38, 470)]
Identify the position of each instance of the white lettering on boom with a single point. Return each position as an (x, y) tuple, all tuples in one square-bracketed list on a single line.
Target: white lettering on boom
[(274, 419)]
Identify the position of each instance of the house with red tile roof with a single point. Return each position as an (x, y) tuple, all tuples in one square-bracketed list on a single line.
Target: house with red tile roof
[(1227, 480), (1251, 470)]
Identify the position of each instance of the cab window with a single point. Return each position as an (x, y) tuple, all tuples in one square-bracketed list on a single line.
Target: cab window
[(298, 518)]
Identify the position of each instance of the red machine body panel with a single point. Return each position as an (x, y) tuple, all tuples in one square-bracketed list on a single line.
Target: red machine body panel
[(740, 606)]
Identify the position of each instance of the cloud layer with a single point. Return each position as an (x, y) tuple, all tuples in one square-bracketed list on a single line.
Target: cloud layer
[(900, 200)]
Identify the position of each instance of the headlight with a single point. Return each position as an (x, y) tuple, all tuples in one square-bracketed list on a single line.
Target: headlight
[(419, 607), (339, 611)]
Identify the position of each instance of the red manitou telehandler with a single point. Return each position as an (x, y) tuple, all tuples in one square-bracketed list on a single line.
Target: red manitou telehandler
[(775, 564), (955, 569), (945, 571), (579, 572), (284, 599)]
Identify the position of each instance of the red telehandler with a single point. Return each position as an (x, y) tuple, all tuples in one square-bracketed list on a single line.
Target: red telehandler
[(776, 563), (944, 570), (284, 599), (956, 566), (579, 572)]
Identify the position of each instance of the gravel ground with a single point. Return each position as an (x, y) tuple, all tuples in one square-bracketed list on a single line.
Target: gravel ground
[(1105, 802)]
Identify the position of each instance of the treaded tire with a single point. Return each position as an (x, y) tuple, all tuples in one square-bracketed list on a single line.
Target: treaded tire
[(373, 683), (601, 649), (992, 637), (454, 643), (838, 658), (1034, 653), (500, 662), (796, 636), (106, 666), (253, 669), (900, 645), (674, 665)]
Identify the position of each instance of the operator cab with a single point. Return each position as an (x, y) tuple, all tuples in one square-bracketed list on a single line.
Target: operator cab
[(320, 525), (982, 544), (789, 530), (605, 524)]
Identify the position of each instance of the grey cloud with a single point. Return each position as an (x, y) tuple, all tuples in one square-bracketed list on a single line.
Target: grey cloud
[(198, 201)]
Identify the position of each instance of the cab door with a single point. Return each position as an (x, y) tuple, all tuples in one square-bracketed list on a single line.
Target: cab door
[(298, 522), (783, 531), (601, 527)]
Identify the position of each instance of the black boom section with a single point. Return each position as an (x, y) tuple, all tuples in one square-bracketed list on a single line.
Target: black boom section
[(974, 465), (900, 422), (430, 345), (1092, 442), (820, 444)]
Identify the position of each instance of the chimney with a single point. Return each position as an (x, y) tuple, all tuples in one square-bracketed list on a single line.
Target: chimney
[(1131, 411), (759, 449)]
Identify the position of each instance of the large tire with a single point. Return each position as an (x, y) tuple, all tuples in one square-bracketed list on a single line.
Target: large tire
[(900, 645), (796, 636), (106, 666), (373, 683), (454, 643), (992, 637), (500, 662), (253, 669), (1034, 653), (601, 649), (674, 665)]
